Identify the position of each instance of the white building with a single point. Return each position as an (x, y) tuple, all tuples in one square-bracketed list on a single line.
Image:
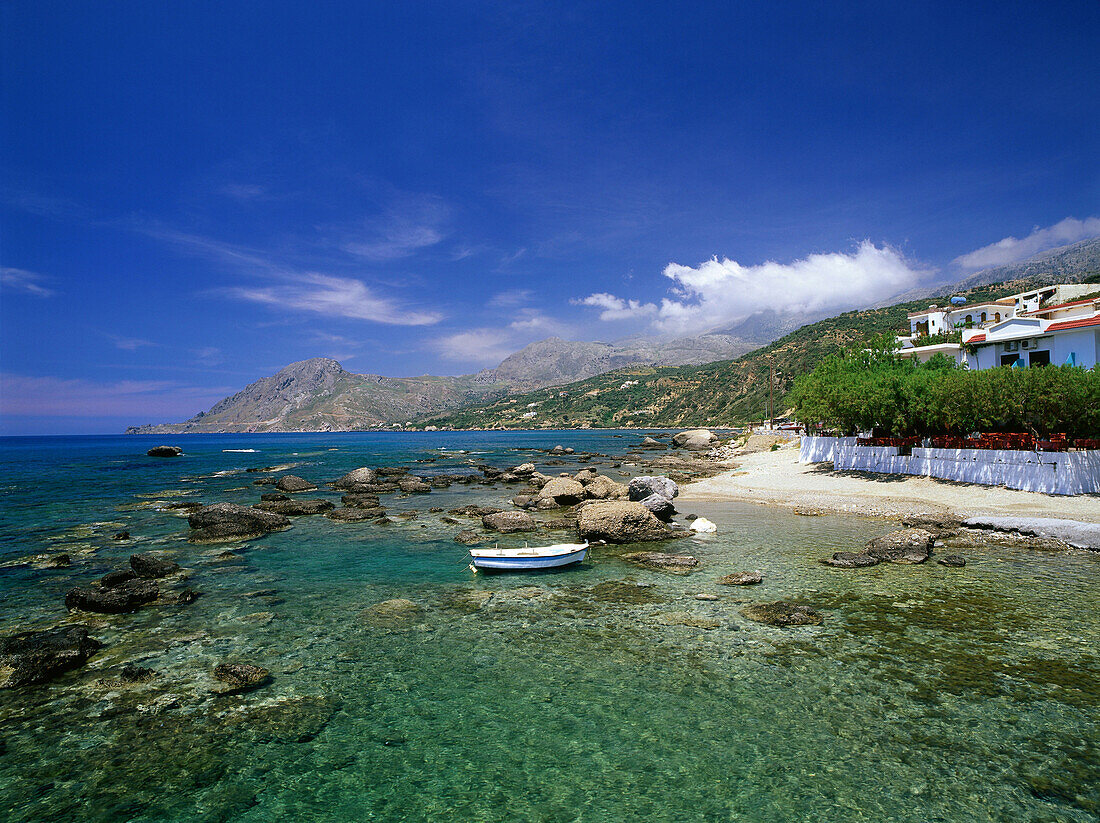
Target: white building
[(1049, 323)]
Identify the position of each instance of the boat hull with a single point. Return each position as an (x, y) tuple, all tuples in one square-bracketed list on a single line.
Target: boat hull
[(518, 564)]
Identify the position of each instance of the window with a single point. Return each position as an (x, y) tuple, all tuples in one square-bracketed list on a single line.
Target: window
[(997, 317), (1039, 358), (983, 316), (1009, 359)]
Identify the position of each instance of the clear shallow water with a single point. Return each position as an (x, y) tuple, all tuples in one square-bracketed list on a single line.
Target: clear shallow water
[(928, 693)]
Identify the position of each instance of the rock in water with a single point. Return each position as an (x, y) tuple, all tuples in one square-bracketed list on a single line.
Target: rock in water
[(695, 439), (354, 515), (363, 475), (292, 483), (604, 488), (660, 560), (782, 614), (952, 560), (742, 579), (650, 443), (240, 677), (508, 522), (411, 484), (228, 521), (622, 521), (642, 487), (28, 658), (564, 491), (468, 537), (165, 451), (295, 508), (703, 526), (902, 546), (661, 506), (393, 613), (121, 536), (938, 525), (126, 597), (152, 568), (851, 560)]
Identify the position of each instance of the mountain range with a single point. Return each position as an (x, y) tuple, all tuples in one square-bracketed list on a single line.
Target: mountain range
[(320, 395)]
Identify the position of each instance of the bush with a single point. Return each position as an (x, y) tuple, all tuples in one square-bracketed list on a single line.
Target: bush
[(874, 389)]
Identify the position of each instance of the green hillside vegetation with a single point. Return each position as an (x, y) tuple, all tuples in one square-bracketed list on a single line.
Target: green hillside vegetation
[(724, 393)]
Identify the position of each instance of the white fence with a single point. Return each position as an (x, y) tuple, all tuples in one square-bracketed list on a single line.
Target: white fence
[(1048, 472), (821, 449)]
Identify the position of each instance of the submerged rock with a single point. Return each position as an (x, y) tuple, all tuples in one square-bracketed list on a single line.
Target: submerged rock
[(621, 521), (692, 621), (152, 568), (126, 597), (292, 483), (165, 451), (742, 579), (952, 560), (393, 613), (188, 596), (35, 657), (120, 536), (228, 521), (240, 677), (661, 560), (413, 485), (350, 515), (468, 537), (851, 560), (509, 522), (903, 546), (475, 511), (781, 613)]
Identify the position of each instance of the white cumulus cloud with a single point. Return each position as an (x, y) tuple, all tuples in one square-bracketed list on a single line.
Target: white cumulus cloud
[(719, 293), (1011, 249)]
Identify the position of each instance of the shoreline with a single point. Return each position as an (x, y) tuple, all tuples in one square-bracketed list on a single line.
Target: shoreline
[(777, 478)]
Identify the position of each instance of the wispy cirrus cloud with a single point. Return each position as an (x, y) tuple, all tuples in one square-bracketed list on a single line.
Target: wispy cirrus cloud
[(510, 299), (487, 346), (334, 297), (27, 282), (411, 223), (1011, 249), (719, 293), (129, 343)]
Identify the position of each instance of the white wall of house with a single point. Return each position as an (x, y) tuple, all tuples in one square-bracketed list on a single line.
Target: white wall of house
[(1078, 347), (1048, 472)]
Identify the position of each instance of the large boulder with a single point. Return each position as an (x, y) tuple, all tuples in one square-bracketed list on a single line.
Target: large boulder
[(151, 568), (295, 508), (34, 657), (126, 597), (660, 506), (165, 451), (650, 443), (782, 614), (902, 546), (642, 487), (621, 521), (363, 475), (937, 525), (228, 521), (355, 515), (604, 488), (412, 484), (292, 483), (565, 491), (695, 439), (523, 470), (508, 522)]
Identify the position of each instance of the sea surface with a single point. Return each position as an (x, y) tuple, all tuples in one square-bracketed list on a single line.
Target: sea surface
[(606, 692)]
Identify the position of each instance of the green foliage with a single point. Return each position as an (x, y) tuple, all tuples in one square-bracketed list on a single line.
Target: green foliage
[(859, 391), (938, 339)]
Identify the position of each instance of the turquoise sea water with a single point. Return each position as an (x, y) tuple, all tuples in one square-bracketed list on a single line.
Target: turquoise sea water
[(601, 693)]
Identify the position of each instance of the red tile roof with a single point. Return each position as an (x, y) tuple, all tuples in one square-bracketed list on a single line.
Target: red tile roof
[(977, 338), (1042, 309), (1075, 324)]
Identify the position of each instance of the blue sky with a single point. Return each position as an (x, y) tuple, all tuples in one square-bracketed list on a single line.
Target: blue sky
[(195, 194)]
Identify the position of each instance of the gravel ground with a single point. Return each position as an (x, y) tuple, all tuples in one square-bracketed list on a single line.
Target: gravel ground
[(777, 478)]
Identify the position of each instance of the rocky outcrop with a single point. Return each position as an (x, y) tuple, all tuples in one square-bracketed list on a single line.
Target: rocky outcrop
[(413, 485), (902, 546), (509, 522), (228, 521), (125, 597), (292, 483), (952, 560), (741, 579), (938, 525), (29, 658), (695, 439), (604, 488), (295, 508), (355, 515), (363, 475), (680, 563), (621, 521), (851, 560), (564, 491), (650, 443), (165, 451), (661, 507), (784, 614), (152, 568), (240, 677)]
